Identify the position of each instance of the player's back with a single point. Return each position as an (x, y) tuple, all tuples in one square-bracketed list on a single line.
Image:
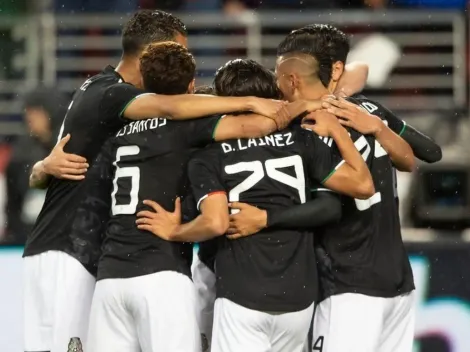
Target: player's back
[(89, 127), (274, 270), (364, 251), (150, 162)]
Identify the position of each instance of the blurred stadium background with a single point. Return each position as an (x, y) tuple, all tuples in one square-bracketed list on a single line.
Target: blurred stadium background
[(419, 67)]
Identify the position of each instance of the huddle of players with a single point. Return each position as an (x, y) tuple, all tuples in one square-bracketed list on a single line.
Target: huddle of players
[(266, 284)]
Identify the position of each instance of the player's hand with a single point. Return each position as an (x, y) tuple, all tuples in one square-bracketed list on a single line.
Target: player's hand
[(353, 116), (321, 122), (64, 165), (248, 221), (274, 109), (160, 222)]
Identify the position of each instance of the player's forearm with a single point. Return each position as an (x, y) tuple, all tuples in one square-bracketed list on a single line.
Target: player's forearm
[(203, 228), (185, 106), (424, 148), (322, 210), (39, 178), (348, 151), (398, 150), (355, 180), (244, 126), (353, 79)]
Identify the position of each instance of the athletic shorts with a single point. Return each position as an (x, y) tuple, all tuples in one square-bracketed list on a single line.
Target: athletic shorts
[(58, 292), (352, 322), (149, 313), (239, 329)]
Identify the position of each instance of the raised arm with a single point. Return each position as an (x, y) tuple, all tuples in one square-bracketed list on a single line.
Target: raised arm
[(323, 209), (349, 176), (424, 148), (353, 79), (359, 119), (126, 101), (253, 125)]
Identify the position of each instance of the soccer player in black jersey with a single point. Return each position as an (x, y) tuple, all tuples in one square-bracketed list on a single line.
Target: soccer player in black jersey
[(367, 281), (265, 283), (144, 297), (63, 248)]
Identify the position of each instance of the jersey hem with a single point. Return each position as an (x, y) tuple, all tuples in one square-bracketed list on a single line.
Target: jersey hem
[(133, 275), (370, 292), (284, 308)]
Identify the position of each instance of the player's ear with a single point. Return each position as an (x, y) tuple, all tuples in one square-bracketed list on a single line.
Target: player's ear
[(192, 86), (337, 71)]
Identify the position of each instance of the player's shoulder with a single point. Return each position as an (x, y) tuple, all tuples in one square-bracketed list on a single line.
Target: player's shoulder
[(370, 105), (307, 137), (209, 153)]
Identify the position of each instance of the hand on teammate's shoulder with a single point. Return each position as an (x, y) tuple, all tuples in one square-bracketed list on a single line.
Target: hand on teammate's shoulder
[(353, 116)]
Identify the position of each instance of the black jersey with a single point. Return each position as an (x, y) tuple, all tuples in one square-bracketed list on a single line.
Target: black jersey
[(92, 117), (274, 270), (364, 252), (150, 162)]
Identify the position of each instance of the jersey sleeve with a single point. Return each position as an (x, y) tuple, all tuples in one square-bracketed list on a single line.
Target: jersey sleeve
[(321, 160), (204, 175), (117, 98), (200, 132), (188, 208)]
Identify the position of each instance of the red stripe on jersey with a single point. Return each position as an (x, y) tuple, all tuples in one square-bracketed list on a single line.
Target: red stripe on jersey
[(216, 192)]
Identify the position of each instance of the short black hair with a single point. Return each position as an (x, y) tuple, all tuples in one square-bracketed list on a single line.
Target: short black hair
[(209, 90), (167, 68), (150, 26), (327, 44), (245, 77)]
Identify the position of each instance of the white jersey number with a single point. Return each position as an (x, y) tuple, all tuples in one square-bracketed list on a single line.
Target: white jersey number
[(364, 204), (272, 167), (134, 173)]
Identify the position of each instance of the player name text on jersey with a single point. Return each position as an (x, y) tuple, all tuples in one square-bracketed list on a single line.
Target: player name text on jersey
[(141, 126), (273, 140)]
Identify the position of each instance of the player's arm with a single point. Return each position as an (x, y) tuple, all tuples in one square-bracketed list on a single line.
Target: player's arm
[(353, 79), (212, 204), (129, 102), (424, 148), (58, 164), (359, 119), (349, 176), (254, 125), (323, 209)]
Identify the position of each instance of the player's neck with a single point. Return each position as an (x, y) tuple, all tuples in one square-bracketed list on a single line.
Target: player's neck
[(128, 68), (313, 92)]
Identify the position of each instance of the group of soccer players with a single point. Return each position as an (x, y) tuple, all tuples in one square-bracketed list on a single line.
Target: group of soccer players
[(131, 187)]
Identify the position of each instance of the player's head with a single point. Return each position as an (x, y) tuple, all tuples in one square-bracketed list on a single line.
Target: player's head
[(244, 77), (209, 90), (167, 68), (311, 54), (151, 26)]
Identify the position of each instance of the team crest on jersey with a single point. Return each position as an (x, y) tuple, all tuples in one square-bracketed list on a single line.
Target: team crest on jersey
[(75, 345), (204, 343)]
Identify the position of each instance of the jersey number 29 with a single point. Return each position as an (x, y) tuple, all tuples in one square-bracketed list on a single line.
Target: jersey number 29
[(272, 167)]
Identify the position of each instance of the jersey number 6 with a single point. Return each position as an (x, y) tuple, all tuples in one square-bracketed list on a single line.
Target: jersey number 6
[(132, 172)]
